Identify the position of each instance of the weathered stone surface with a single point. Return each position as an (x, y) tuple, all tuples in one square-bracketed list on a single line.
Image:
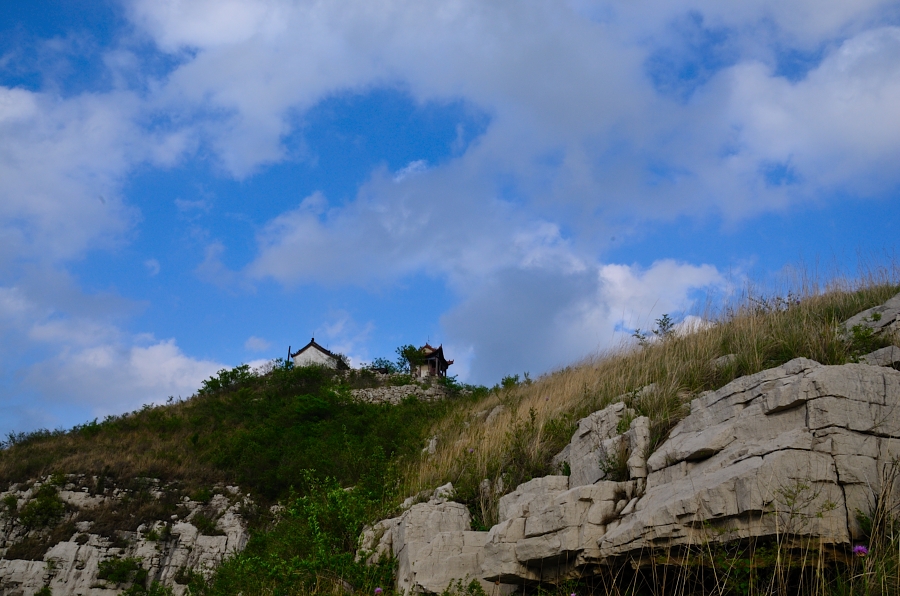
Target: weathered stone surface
[(550, 532), (512, 504), (453, 556), (433, 544), (889, 356), (70, 568), (492, 415), (599, 437), (787, 450), (881, 318), (794, 450), (724, 361)]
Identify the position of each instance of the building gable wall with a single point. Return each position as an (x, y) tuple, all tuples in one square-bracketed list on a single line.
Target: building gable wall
[(313, 355)]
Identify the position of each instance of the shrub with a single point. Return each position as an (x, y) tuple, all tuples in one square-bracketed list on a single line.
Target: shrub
[(206, 525), (122, 570), (11, 504), (45, 509), (614, 463), (312, 545)]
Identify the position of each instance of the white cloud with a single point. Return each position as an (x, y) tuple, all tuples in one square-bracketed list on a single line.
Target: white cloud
[(66, 364), (576, 128), (412, 168), (342, 334), (535, 319), (152, 266), (566, 81), (256, 344), (112, 378)]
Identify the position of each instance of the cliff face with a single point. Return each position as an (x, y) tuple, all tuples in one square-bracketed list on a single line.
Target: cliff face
[(799, 454), (80, 535)]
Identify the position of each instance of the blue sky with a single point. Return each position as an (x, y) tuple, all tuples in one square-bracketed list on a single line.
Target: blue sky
[(187, 185)]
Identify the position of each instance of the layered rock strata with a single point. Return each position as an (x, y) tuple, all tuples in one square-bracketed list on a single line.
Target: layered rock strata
[(169, 549), (795, 451)]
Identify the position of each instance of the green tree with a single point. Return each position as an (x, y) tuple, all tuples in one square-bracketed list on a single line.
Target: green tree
[(409, 357)]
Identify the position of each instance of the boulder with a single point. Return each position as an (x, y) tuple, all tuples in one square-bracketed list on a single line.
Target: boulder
[(548, 533), (433, 544), (884, 317), (889, 356), (599, 437)]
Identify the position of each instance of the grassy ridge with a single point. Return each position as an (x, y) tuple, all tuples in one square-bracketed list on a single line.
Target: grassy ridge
[(261, 431)]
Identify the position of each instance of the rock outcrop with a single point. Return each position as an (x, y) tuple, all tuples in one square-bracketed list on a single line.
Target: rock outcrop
[(884, 318), (889, 356), (433, 544), (92, 530), (796, 451)]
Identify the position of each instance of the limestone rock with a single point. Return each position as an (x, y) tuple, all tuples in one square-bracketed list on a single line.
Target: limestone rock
[(431, 447), (889, 356), (432, 542), (881, 318), (795, 450), (724, 361), (512, 504), (71, 567), (548, 533), (492, 415), (599, 437), (584, 451)]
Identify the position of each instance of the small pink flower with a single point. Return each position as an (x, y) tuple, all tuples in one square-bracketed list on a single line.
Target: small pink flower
[(860, 551), (377, 591), (471, 450)]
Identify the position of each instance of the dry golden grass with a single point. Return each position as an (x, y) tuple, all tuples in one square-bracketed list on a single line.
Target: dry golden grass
[(132, 447), (538, 418)]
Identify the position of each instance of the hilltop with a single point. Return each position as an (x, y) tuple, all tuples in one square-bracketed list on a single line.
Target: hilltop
[(316, 464)]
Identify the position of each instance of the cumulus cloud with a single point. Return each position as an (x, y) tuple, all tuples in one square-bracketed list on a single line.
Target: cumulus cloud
[(111, 378), (575, 117), (538, 318), (256, 344), (65, 357)]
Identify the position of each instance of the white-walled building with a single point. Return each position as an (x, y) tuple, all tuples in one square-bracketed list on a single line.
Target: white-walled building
[(314, 354)]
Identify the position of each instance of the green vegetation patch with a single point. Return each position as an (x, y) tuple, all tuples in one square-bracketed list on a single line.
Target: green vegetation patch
[(311, 548), (44, 510)]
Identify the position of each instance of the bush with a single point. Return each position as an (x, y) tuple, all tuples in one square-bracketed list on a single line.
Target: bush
[(44, 510), (312, 544), (11, 504), (122, 570), (206, 525)]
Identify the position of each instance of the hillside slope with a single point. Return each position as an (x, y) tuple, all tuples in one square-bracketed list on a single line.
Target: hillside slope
[(297, 437)]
